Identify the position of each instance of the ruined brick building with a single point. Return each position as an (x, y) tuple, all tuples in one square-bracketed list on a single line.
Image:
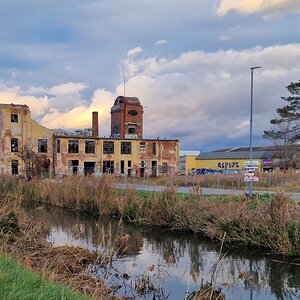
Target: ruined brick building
[(125, 152)]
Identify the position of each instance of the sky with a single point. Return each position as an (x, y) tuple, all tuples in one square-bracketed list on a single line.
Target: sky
[(188, 61)]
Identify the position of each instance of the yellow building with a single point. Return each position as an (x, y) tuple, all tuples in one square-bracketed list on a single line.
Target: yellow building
[(84, 155), (17, 129)]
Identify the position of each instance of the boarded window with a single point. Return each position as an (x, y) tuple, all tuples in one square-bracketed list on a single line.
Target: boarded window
[(58, 146), (14, 118), (42, 146), (14, 145), (108, 147), (89, 146), (108, 166), (14, 167), (125, 147), (73, 146), (154, 148)]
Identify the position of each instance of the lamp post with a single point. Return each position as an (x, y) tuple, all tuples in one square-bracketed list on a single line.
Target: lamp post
[(251, 121)]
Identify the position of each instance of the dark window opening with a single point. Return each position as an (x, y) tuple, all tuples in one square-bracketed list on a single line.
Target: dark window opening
[(42, 146), (154, 168), (58, 146), (154, 148), (73, 146), (142, 169), (131, 130), (14, 167), (89, 167), (14, 118), (122, 167), (129, 172), (73, 166), (89, 146), (14, 145), (108, 147), (125, 147), (108, 166), (132, 112), (164, 167)]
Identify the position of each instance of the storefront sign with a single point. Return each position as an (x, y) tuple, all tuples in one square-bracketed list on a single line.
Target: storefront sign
[(228, 165)]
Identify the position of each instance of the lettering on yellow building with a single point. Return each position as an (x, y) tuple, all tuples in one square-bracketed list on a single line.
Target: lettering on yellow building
[(228, 165)]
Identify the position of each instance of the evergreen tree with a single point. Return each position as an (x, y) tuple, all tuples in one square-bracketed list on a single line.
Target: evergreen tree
[(285, 131)]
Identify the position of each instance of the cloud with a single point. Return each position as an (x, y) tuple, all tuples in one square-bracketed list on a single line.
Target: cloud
[(80, 116), (161, 42), (37, 105), (134, 51), (67, 88), (268, 7), (204, 98)]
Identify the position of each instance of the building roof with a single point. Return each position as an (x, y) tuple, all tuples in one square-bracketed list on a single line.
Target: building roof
[(127, 100), (241, 153)]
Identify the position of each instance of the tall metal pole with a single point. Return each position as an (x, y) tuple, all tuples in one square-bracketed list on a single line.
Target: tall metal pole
[(251, 125)]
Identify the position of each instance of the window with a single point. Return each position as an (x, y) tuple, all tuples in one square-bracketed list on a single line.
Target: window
[(142, 146), (42, 146), (14, 145), (73, 146), (108, 147), (14, 118), (58, 146), (154, 148), (122, 167), (14, 167), (132, 112), (165, 167), (125, 147), (131, 130), (108, 166), (89, 146)]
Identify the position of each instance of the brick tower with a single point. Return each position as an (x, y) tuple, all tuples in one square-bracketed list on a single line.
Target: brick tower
[(127, 118)]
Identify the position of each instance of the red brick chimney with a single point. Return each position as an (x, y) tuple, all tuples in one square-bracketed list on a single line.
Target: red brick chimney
[(95, 124)]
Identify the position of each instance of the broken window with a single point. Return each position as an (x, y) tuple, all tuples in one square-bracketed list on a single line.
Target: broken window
[(122, 167), (14, 167), (154, 148), (142, 146), (14, 118), (108, 147), (89, 146), (58, 146), (42, 146), (73, 146), (14, 145), (108, 166), (125, 147)]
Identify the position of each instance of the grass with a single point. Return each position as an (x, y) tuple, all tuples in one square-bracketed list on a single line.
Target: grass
[(17, 283)]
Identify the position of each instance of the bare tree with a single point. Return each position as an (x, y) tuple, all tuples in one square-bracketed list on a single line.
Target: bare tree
[(34, 164)]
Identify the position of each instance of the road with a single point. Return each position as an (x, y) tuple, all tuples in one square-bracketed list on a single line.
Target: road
[(205, 191)]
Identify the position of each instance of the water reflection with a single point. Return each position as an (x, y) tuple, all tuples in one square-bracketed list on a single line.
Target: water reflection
[(187, 258)]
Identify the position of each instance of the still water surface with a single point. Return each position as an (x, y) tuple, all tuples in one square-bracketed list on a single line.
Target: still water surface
[(181, 261)]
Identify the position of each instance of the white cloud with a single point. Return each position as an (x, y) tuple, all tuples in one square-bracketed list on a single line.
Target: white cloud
[(161, 42), (267, 7), (37, 105), (203, 98), (134, 51), (67, 88)]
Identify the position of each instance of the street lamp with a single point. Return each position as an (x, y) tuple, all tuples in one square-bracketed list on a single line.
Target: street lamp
[(251, 121)]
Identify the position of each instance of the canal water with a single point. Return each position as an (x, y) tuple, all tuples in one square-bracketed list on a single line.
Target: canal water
[(173, 263)]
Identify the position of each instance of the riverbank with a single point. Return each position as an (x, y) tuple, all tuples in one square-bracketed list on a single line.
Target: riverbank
[(268, 221), (20, 283)]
